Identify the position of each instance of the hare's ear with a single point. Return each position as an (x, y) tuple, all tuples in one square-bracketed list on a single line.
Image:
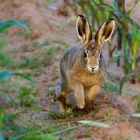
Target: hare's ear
[(83, 30), (105, 31)]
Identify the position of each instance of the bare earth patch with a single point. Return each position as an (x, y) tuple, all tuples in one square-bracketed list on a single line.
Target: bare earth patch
[(60, 33)]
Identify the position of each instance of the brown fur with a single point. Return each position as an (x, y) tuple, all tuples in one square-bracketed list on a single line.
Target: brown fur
[(84, 77)]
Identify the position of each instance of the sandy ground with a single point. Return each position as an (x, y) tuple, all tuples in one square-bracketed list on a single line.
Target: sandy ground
[(47, 23)]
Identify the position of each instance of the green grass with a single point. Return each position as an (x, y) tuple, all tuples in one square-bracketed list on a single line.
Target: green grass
[(122, 138), (51, 51), (30, 62), (40, 137), (6, 59), (3, 86), (3, 42), (7, 86), (68, 113), (136, 100), (30, 131), (44, 132), (37, 61), (27, 95)]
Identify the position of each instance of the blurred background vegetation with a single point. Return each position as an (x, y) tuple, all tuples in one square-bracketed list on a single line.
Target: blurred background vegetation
[(24, 77)]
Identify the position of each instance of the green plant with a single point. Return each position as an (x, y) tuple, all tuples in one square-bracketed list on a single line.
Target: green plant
[(54, 130), (110, 86), (38, 132), (136, 100), (37, 60), (3, 42), (32, 62), (1, 119), (5, 59), (4, 25), (51, 51), (122, 138), (27, 95), (135, 42), (67, 113), (8, 125), (5, 74), (8, 128), (39, 137)]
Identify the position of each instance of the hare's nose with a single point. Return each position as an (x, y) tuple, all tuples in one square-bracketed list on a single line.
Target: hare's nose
[(92, 68)]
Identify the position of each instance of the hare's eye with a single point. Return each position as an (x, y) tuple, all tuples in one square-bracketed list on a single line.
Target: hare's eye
[(85, 55), (100, 56)]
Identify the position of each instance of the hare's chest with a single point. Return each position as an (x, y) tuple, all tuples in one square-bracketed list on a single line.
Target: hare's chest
[(87, 79)]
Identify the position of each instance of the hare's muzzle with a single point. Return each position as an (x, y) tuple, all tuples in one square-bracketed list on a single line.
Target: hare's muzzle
[(93, 69)]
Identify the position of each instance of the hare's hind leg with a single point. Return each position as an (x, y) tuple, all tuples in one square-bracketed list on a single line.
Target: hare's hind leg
[(62, 101), (93, 91), (62, 98)]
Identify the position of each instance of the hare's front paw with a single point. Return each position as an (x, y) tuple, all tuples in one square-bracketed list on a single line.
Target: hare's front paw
[(81, 104)]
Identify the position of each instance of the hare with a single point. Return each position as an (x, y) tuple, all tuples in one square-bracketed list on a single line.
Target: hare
[(82, 67)]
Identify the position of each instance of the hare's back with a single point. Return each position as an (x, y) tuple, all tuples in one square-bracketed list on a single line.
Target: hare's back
[(70, 58)]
